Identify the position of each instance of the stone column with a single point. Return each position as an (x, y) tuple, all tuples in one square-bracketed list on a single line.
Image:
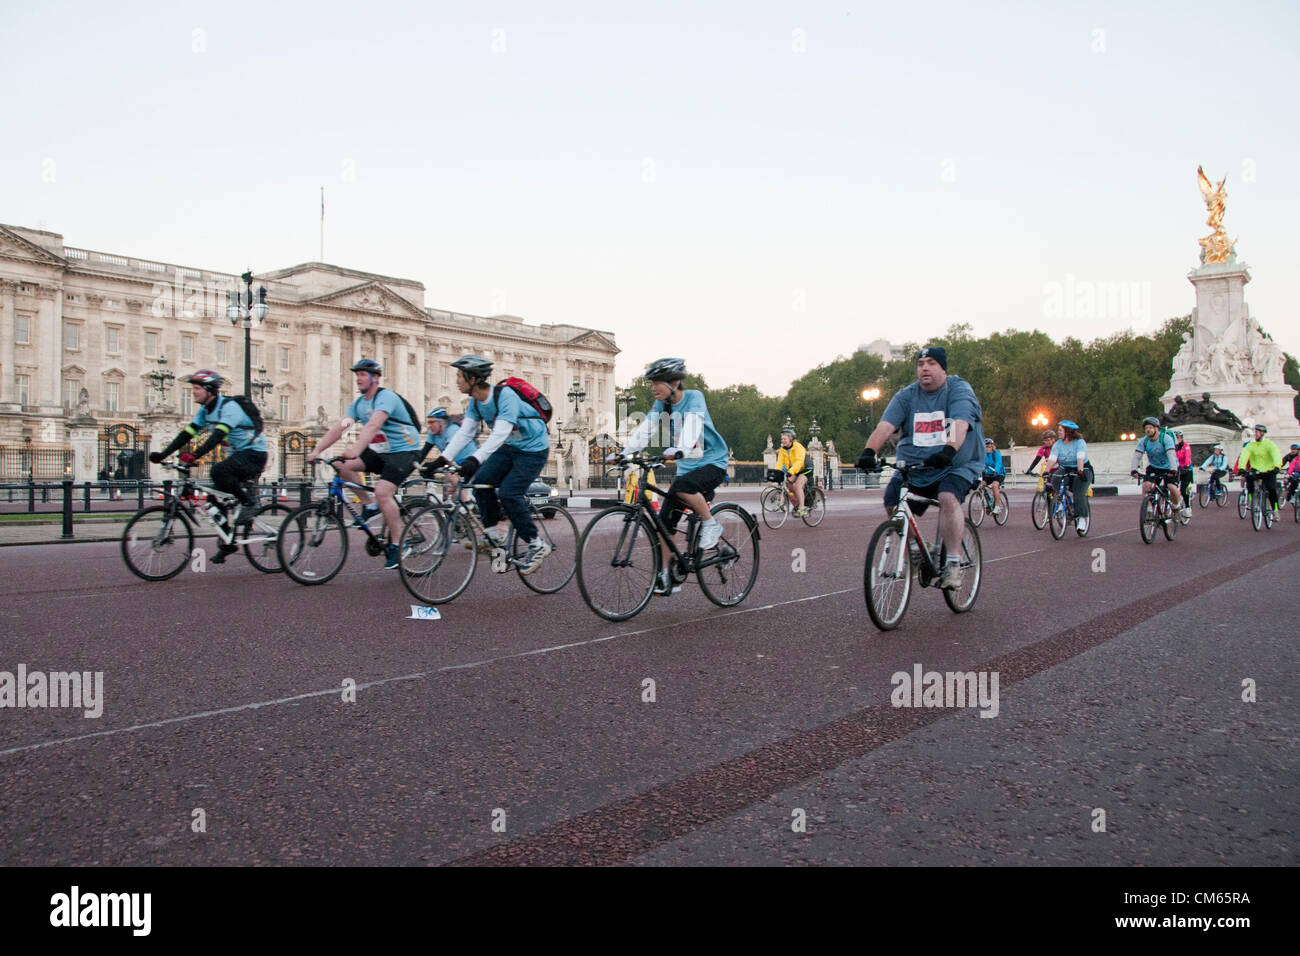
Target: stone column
[(818, 455), (769, 454), (421, 397), (49, 331), (7, 291), (313, 370)]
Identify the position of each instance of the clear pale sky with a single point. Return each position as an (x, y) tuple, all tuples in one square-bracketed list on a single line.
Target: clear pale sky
[(757, 187)]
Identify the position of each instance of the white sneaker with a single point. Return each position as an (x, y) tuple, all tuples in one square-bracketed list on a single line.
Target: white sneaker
[(710, 534), (532, 559), (664, 584), (950, 580), (1186, 512)]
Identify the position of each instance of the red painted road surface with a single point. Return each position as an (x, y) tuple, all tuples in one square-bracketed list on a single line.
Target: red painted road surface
[(771, 737)]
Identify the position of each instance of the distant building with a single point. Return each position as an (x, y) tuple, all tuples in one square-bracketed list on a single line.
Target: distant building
[(81, 331), (886, 350)]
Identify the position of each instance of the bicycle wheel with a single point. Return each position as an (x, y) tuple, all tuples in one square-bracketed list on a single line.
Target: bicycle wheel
[(313, 544), (1171, 519), (258, 537), (1241, 504), (816, 504), (1203, 494), (1000, 517), (1268, 515), (731, 566), (1148, 518), (772, 505), (972, 570), (887, 577), (556, 569), (1221, 496), (438, 554), (1256, 515), (1039, 509), (975, 507), (618, 560), (1059, 517), (157, 542)]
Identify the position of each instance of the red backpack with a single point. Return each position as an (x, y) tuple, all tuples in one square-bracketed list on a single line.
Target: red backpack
[(528, 394)]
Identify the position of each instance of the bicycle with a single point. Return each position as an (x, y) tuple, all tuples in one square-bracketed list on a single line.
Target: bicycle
[(436, 537), (310, 550), (887, 577), (1042, 504), (776, 503), (619, 555), (1212, 489), (981, 502), (1254, 499), (1063, 514), (159, 540), (1157, 510)]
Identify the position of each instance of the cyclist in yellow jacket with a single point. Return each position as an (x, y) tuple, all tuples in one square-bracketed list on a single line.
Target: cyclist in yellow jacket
[(794, 461), (1262, 456)]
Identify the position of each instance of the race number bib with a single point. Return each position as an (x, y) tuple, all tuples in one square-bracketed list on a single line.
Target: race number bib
[(930, 429), (379, 444)]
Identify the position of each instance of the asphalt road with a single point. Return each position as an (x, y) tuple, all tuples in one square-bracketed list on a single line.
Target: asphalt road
[(515, 729)]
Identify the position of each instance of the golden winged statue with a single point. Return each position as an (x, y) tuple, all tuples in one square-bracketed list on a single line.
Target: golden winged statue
[(1216, 247)]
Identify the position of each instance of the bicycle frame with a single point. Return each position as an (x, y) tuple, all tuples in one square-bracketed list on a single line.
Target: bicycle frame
[(912, 528), (685, 561), (191, 491)]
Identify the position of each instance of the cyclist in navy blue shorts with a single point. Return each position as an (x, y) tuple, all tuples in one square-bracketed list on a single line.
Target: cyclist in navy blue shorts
[(940, 437)]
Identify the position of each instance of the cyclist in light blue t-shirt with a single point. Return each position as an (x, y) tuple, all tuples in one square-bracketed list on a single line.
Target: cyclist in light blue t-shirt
[(511, 458), (386, 447), (1070, 452)]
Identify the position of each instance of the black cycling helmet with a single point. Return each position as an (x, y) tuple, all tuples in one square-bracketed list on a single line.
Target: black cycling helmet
[(666, 370), (1261, 428), (1151, 420), (368, 365), (475, 367), (208, 379)]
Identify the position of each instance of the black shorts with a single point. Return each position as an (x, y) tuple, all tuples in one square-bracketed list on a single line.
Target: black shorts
[(697, 481), (394, 467), (990, 477), (1160, 476)]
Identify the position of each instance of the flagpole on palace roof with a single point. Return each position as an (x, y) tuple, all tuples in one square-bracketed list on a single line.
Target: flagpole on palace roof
[(322, 224)]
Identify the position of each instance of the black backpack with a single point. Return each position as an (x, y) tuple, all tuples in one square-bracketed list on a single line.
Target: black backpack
[(249, 408), (412, 420)]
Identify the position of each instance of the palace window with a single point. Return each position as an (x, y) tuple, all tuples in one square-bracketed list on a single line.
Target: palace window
[(187, 348), (187, 403), (223, 348), (71, 336), (284, 408), (151, 345), (112, 339), (22, 330), (284, 358), (71, 391), (23, 386), (112, 396)]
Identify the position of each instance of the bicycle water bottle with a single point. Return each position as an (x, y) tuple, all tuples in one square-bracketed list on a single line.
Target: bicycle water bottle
[(216, 512)]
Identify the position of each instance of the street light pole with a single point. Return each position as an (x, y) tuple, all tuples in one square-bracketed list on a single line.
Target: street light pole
[(244, 309)]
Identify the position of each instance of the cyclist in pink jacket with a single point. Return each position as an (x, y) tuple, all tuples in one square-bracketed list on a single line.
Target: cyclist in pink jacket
[(1184, 453)]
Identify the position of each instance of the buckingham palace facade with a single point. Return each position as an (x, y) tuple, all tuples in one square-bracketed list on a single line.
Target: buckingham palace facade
[(88, 340)]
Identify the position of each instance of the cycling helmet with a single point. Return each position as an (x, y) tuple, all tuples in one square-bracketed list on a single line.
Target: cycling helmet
[(1151, 420), (475, 367), (666, 370), (1295, 447), (788, 431), (1049, 435), (1261, 428), (368, 365), (988, 441), (439, 413), (1178, 433), (1067, 423), (1218, 446), (207, 378)]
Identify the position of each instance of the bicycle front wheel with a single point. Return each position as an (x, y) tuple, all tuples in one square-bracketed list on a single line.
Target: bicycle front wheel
[(313, 544), (1148, 518), (260, 537), (1059, 517), (1171, 518), (1203, 494), (1256, 515), (1241, 504), (560, 532), (1000, 517), (157, 542), (815, 502), (1221, 496), (1038, 510), (618, 561), (972, 571), (887, 577), (975, 507), (772, 505), (438, 554), (728, 570), (1268, 514)]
